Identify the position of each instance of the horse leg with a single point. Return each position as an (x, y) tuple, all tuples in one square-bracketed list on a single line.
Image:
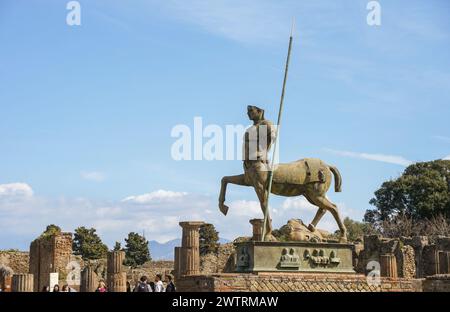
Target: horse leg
[(326, 204), (238, 180), (319, 214)]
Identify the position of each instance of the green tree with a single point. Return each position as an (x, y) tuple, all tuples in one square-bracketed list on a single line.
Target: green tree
[(209, 238), (117, 246), (136, 250), (356, 230), (88, 244), (51, 230), (421, 192)]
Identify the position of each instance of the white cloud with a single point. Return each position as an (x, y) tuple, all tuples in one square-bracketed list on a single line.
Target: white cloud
[(297, 203), (447, 158), (156, 196), (15, 190), (248, 208), (390, 159), (93, 176)]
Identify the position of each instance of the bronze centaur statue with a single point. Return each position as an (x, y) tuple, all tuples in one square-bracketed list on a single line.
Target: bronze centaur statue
[(309, 177)]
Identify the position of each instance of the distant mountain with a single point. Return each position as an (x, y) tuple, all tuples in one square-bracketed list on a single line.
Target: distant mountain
[(165, 251)]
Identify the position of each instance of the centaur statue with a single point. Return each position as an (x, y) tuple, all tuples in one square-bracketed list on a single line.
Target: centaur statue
[(309, 177)]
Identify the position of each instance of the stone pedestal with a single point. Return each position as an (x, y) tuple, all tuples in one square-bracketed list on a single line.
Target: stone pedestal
[(89, 280), (254, 256), (22, 283), (117, 282), (388, 266), (116, 278), (257, 229), (189, 262)]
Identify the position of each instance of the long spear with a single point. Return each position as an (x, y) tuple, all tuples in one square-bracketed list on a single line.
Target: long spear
[(280, 111)]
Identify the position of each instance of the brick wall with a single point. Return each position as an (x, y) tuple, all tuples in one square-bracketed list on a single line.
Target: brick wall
[(298, 282), (50, 254)]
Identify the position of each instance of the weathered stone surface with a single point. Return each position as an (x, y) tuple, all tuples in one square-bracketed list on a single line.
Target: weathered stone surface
[(388, 265), (221, 261), (437, 283), (115, 261), (89, 280), (117, 282), (49, 255), (18, 261), (190, 248), (6, 274), (406, 262), (296, 230), (294, 257), (22, 282), (150, 269), (291, 282)]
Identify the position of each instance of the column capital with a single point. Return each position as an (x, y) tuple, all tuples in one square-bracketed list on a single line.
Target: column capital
[(184, 224)]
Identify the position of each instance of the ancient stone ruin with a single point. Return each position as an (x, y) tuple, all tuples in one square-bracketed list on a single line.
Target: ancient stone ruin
[(50, 254)]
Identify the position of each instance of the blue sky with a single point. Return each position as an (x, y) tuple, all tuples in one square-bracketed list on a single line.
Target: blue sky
[(87, 111)]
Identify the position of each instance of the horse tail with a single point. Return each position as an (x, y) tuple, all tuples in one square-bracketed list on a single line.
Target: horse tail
[(337, 178)]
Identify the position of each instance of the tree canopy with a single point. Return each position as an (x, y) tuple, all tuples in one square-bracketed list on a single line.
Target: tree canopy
[(136, 250), (209, 238), (88, 244), (421, 192), (51, 230)]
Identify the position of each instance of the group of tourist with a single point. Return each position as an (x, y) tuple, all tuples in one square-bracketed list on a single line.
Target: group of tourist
[(65, 288), (143, 285)]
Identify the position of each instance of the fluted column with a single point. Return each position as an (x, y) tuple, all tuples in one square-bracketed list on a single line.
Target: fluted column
[(116, 278), (190, 248), (89, 280), (22, 282), (177, 261), (388, 266)]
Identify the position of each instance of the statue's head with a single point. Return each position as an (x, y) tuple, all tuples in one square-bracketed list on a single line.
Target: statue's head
[(255, 113)]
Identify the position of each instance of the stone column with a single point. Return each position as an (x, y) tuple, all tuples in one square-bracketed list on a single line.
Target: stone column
[(22, 282), (257, 229), (177, 262), (117, 282), (115, 261), (190, 248), (89, 280), (388, 266), (116, 278)]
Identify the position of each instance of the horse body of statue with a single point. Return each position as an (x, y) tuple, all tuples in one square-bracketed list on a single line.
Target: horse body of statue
[(310, 177)]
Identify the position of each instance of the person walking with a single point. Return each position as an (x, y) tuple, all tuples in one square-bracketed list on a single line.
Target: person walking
[(170, 285), (142, 285), (56, 288), (159, 286)]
